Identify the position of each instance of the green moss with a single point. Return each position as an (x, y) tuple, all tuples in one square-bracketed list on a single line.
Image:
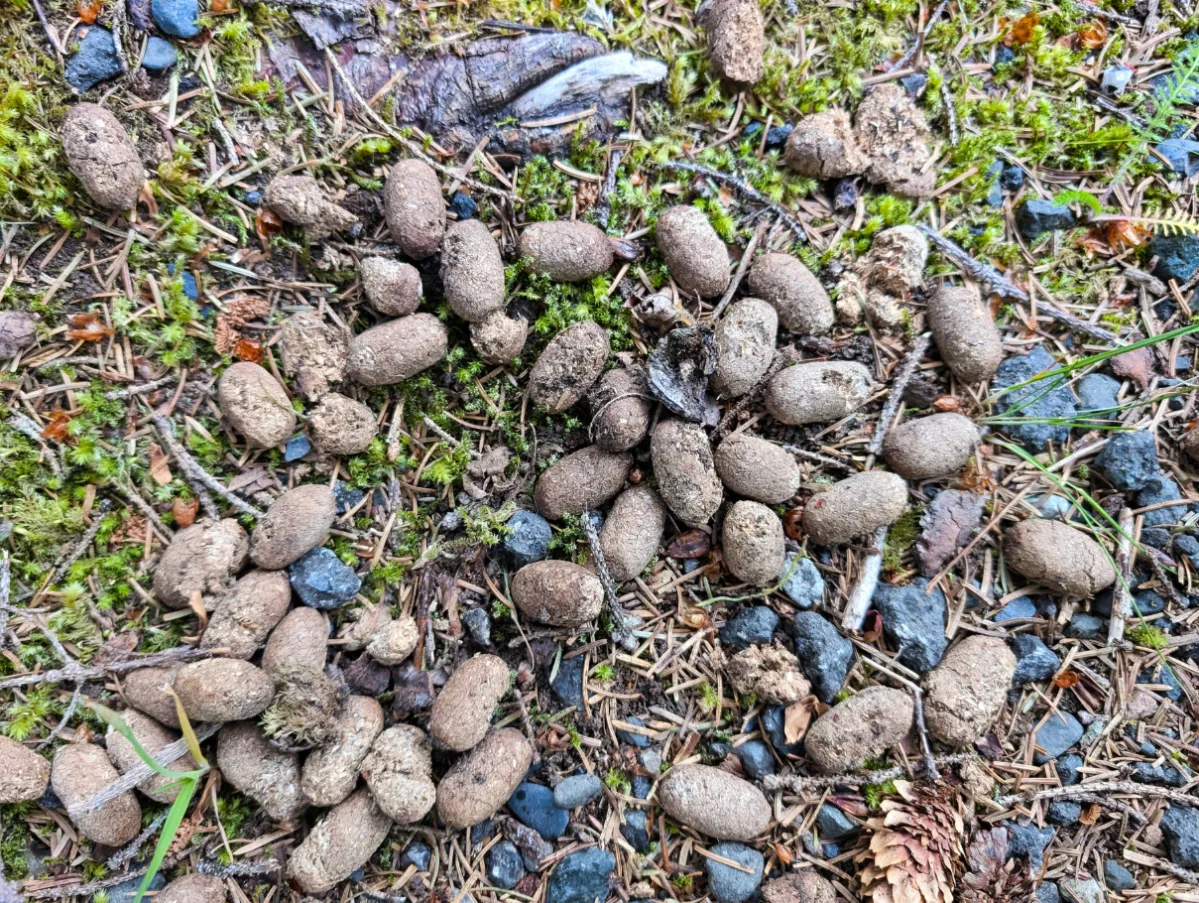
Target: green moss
[(901, 537), (1148, 636)]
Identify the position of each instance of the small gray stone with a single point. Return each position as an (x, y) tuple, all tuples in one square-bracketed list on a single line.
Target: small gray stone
[(1097, 392), (159, 54), (635, 829), (478, 622), (825, 656), (914, 623), (729, 885), (1060, 731), (1034, 660), (1117, 877), (582, 877), (177, 17), (1128, 460), (126, 891), (1036, 216), (1063, 813), (749, 627), (1026, 839), (1048, 893), (577, 790), (1085, 627), (417, 853), (805, 584), (322, 580), (833, 823), (1180, 825), (505, 867), (756, 758), (533, 804), (1036, 401), (1081, 890), (651, 760), (1017, 610), (528, 539), (1115, 79), (96, 60), (1068, 769), (636, 739)]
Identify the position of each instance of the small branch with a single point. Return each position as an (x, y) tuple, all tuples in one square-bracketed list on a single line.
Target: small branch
[(863, 590), (1168, 588), (528, 725), (746, 189), (82, 546), (1054, 793), (951, 114), (975, 269), (66, 717), (797, 783), (930, 764), (899, 385), (29, 430), (735, 282), (5, 596), (910, 53), (197, 475), (620, 630), (1122, 596), (251, 869), (818, 458), (165, 533), (127, 852), (603, 208), (75, 672), (131, 391), (141, 771)]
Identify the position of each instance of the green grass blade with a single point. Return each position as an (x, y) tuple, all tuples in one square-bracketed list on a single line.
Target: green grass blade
[(118, 724), (169, 827)]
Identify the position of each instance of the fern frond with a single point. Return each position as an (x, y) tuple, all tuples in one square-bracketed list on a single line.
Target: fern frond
[(1171, 224), (1077, 196)]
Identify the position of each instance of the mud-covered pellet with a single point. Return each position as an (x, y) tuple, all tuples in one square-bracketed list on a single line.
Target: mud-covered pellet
[(396, 350), (498, 338), (753, 543), (736, 40), (802, 304), (817, 392), (462, 711), (299, 199), (861, 727), (570, 364), (341, 425), (392, 287), (896, 139), (102, 156), (559, 593), (685, 470), (398, 770), (394, 642), (757, 469), (313, 353), (964, 332), (696, 257), (745, 338), (301, 639), (193, 888), (267, 775), (714, 802), (566, 250), (255, 405), (297, 522), (149, 690), (79, 772), (933, 446), (153, 739), (855, 506), (330, 772), (824, 146), (632, 532), (582, 480), (964, 694), (223, 689), (472, 271), (341, 843), (1058, 556), (24, 774), (621, 406), (201, 559), (478, 784), (414, 207)]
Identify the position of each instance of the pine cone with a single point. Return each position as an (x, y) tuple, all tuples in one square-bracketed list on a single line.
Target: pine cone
[(992, 877), (915, 851)]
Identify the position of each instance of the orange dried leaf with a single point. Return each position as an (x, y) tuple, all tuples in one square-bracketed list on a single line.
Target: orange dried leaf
[(1090, 814), (220, 6), (797, 717), (1092, 34), (1066, 680), (248, 350), (947, 404), (1126, 233), (87, 327), (1021, 32), (56, 429), (160, 467), (692, 544), (696, 618), (184, 511), (266, 224), (88, 10)]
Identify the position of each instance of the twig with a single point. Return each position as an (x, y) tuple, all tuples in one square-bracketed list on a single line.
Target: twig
[(50, 33), (603, 209), (66, 716), (197, 475), (975, 269), (141, 771), (249, 869), (818, 458), (1107, 14), (930, 764), (1177, 871), (528, 725), (1167, 587), (899, 385), (442, 434), (910, 53), (746, 189), (863, 590), (28, 428), (735, 282), (620, 629), (82, 546), (951, 115), (77, 672), (1122, 596), (5, 595), (798, 783), (129, 392), (1053, 793), (127, 852)]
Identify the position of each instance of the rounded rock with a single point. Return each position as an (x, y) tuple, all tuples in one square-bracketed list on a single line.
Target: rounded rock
[(79, 772), (732, 885), (582, 480), (965, 333), (398, 770), (714, 802), (621, 406), (804, 886), (569, 366), (855, 506), (414, 207), (146, 690), (461, 713), (929, 447), (818, 392), (559, 593), (18, 330), (247, 613), (331, 772), (696, 257), (566, 250), (102, 156), (24, 774), (632, 532), (753, 543), (736, 40), (392, 288), (963, 694), (499, 338), (301, 639), (255, 405), (686, 472), (153, 738), (824, 146), (313, 352), (394, 642), (396, 350), (861, 727), (1056, 555), (477, 785), (201, 559), (757, 469), (745, 338), (193, 888), (785, 283), (341, 425), (297, 522), (267, 775), (472, 271), (223, 689)]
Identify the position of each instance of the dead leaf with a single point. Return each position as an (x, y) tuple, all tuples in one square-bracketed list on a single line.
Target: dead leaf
[(1092, 34), (1090, 814), (797, 717), (160, 467), (1138, 365), (1066, 680), (266, 224), (947, 404), (56, 427), (184, 511), (782, 853), (196, 604), (225, 335), (1125, 233), (88, 10), (947, 525), (87, 327), (696, 618), (243, 309), (1021, 32), (793, 523), (692, 544), (872, 625), (248, 350)]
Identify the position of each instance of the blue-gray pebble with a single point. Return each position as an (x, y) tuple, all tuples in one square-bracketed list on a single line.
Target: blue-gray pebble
[(322, 580), (749, 627), (533, 805), (504, 865), (805, 584), (1128, 460), (582, 877), (577, 790), (1060, 731), (1034, 660), (730, 885), (96, 60), (177, 17), (159, 54), (825, 656), (914, 623)]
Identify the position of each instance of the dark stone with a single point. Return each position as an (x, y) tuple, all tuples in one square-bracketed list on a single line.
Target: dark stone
[(1157, 489), (730, 885), (95, 61), (1180, 825), (1097, 392), (1035, 216), (833, 823), (567, 684), (756, 758), (1182, 154), (994, 196), (1063, 813), (773, 720), (1041, 400), (1012, 178), (1165, 677), (528, 538), (913, 623), (296, 448), (159, 55), (845, 194), (1034, 660), (635, 829), (504, 865), (1155, 536), (777, 135), (582, 877), (126, 891), (533, 805), (749, 627), (914, 84), (1160, 775), (1017, 610), (177, 17), (358, 875), (830, 850), (478, 623), (804, 584), (1003, 55), (480, 833), (346, 497), (1068, 769), (1147, 603), (325, 27), (1060, 731), (1048, 893), (190, 288), (1128, 460), (1188, 547), (720, 750), (679, 367), (639, 740), (1177, 256), (1117, 877), (642, 786), (577, 790), (367, 677), (463, 205), (825, 656), (417, 853), (253, 197), (322, 580), (1085, 627), (1026, 839)]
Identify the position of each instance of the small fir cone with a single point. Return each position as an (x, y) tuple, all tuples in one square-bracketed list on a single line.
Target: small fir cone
[(991, 876), (916, 847)]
